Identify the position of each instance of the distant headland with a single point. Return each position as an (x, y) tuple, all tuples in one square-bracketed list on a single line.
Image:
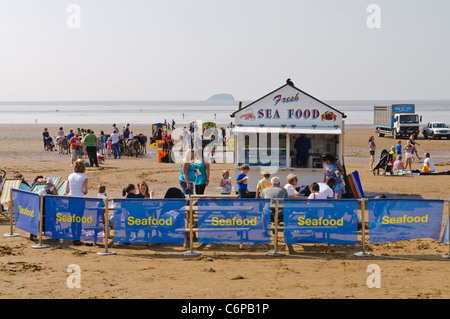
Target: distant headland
[(221, 97)]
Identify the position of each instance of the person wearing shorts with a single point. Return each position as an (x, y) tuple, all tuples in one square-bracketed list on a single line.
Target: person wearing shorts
[(74, 143), (372, 151)]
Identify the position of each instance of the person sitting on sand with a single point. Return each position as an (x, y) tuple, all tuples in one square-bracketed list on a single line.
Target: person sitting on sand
[(292, 181), (428, 164), (130, 192), (314, 188), (144, 190), (398, 164), (328, 188)]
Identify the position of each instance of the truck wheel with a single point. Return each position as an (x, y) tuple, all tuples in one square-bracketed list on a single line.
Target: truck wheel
[(433, 136), (425, 135), (379, 133)]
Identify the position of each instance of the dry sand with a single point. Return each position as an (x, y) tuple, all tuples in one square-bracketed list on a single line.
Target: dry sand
[(409, 269)]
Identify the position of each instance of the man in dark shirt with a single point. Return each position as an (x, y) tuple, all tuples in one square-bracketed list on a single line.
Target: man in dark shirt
[(302, 146)]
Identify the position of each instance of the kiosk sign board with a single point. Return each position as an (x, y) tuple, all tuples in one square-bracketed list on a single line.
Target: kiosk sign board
[(288, 106)]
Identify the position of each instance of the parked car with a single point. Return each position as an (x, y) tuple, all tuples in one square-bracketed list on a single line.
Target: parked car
[(436, 130)]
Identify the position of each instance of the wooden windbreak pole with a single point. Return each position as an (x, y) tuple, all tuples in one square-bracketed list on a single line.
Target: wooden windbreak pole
[(275, 251), (11, 217), (106, 230), (41, 223), (191, 251), (364, 253)]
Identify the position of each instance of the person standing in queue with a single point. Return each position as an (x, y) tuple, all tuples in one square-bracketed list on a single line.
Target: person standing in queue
[(202, 173), (332, 168), (242, 181), (187, 176)]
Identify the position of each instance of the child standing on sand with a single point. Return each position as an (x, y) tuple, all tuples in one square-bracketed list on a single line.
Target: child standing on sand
[(101, 191), (242, 180), (408, 155), (225, 183), (109, 146), (398, 148)]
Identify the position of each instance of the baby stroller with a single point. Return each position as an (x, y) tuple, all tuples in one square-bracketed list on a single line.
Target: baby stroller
[(385, 163)]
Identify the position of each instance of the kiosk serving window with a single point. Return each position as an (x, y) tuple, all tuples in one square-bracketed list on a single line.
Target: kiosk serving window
[(306, 149), (284, 149)]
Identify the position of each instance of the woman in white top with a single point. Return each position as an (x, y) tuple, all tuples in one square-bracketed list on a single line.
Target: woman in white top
[(429, 163), (77, 181), (292, 181), (77, 186)]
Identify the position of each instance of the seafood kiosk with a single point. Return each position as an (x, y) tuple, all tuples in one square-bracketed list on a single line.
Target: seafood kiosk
[(286, 132)]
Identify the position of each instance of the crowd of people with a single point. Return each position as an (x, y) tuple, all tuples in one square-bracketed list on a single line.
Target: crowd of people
[(332, 185), (400, 160), (195, 174), (84, 142)]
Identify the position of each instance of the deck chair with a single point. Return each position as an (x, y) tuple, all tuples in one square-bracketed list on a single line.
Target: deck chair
[(40, 184), (5, 197), (62, 188)]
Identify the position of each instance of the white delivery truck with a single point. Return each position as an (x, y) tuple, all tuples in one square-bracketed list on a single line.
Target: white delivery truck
[(397, 120)]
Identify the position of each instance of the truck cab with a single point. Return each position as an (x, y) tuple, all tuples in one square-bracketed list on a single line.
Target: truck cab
[(405, 124)]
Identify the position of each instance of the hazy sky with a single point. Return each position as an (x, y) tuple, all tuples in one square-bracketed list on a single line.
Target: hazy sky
[(192, 49)]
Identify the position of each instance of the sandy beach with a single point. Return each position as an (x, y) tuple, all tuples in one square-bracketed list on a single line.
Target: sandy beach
[(409, 269)]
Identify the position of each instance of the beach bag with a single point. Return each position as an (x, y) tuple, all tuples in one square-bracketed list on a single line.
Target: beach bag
[(425, 169), (79, 151)]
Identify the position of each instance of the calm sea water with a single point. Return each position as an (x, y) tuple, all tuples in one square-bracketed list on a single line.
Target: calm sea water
[(148, 112)]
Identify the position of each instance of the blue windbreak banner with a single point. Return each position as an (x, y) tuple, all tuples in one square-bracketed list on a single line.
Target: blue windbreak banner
[(404, 219), (327, 221), (159, 221), (229, 220), (26, 211), (75, 218)]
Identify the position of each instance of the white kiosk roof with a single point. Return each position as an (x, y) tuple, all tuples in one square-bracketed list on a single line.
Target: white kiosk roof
[(290, 109)]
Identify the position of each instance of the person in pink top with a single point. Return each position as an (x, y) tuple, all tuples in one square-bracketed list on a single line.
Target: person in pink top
[(109, 146), (398, 164)]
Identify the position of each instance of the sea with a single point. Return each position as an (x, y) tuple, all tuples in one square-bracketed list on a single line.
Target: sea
[(142, 113)]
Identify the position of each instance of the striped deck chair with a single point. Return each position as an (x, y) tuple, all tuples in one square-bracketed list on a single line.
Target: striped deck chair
[(41, 185), (62, 188), (5, 197)]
